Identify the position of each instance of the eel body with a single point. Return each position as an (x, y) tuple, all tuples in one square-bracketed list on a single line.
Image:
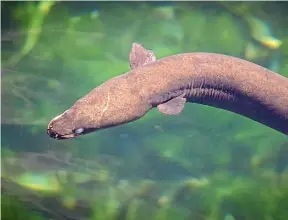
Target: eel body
[(216, 80)]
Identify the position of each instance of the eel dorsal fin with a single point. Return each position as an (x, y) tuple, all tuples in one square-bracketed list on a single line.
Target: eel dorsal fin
[(140, 57)]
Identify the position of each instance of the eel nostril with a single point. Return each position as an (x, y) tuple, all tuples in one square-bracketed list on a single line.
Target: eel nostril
[(52, 133)]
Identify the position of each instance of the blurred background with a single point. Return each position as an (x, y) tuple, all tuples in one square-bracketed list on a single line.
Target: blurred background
[(206, 164)]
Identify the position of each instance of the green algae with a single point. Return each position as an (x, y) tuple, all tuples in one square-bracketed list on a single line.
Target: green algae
[(11, 208), (82, 51)]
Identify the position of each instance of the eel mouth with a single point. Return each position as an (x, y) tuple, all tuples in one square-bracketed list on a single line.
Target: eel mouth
[(57, 136)]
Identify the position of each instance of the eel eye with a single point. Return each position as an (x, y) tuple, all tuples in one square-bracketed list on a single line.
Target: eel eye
[(78, 130)]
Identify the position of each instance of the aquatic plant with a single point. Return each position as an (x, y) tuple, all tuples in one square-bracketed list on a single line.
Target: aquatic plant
[(54, 51), (11, 208)]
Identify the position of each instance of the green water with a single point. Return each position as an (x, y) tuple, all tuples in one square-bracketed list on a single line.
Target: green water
[(205, 164)]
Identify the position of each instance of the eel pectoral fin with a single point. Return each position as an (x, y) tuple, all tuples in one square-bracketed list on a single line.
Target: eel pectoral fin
[(140, 57), (173, 107)]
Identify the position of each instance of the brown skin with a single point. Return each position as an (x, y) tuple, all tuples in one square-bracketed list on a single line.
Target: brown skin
[(211, 79), (113, 103)]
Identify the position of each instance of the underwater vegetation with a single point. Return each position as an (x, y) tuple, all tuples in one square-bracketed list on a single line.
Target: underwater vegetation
[(78, 193), (206, 164)]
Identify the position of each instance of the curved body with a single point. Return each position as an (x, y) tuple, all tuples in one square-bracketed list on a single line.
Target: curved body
[(221, 81), (211, 79)]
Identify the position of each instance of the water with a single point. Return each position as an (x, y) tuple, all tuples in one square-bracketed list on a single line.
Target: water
[(205, 163)]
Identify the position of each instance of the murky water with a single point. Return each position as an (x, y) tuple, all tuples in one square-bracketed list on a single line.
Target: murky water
[(205, 163)]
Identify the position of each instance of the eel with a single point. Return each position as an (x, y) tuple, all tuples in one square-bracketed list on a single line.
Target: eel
[(216, 80)]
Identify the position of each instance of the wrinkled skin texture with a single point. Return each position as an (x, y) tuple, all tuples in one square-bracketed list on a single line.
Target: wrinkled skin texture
[(210, 79)]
